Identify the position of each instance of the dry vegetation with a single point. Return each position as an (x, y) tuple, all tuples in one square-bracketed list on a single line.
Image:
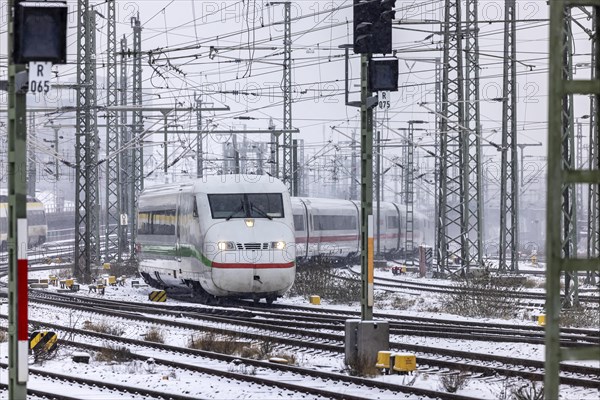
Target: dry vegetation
[(102, 327), (3, 336), (154, 335), (233, 346), (453, 382), (336, 285), (114, 354), (363, 367), (580, 318), (483, 297)]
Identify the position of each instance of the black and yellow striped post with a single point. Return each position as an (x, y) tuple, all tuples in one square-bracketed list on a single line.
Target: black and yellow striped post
[(158, 295), (43, 341)]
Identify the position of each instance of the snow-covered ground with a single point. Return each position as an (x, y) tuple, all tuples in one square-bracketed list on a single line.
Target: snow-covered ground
[(165, 379)]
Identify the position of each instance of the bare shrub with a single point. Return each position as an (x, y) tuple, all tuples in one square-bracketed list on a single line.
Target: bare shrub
[(403, 303), (266, 347), (126, 267), (154, 335), (112, 353), (362, 367), (580, 318), (250, 352), (529, 391), (454, 382), (335, 284), (533, 284), (482, 297), (102, 327), (3, 336), (210, 342), (41, 355)]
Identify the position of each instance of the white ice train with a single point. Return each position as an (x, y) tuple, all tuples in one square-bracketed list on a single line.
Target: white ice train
[(329, 229), (37, 227), (241, 235), (223, 236)]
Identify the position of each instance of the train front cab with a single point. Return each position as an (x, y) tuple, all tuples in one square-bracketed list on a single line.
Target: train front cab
[(249, 244)]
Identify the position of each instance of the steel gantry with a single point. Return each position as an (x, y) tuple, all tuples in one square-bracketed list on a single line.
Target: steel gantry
[(87, 240), (113, 184), (124, 158), (471, 152), (137, 150), (509, 190), (450, 208), (568, 195), (288, 167), (593, 209), (562, 174)]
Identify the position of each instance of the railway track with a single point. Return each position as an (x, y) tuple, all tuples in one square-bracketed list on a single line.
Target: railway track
[(292, 380), (325, 339), (523, 295)]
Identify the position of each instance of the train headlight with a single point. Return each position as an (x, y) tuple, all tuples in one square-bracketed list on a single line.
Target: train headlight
[(226, 246), (278, 245)]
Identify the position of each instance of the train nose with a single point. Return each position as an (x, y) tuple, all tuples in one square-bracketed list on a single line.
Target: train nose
[(251, 262)]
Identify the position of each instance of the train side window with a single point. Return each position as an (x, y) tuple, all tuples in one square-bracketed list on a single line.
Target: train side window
[(392, 222), (298, 222), (334, 222), (195, 212)]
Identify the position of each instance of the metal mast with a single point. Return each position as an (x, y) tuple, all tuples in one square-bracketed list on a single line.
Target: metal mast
[(124, 163), (287, 102), (593, 243), (87, 243), (200, 139), (450, 211), (31, 164), (113, 184), (409, 195), (471, 152), (137, 152), (509, 191), (568, 195), (561, 176)]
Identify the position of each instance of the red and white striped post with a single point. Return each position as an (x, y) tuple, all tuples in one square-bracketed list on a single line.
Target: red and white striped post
[(22, 297)]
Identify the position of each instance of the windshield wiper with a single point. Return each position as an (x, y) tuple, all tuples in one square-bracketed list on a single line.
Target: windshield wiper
[(260, 211), (237, 210)]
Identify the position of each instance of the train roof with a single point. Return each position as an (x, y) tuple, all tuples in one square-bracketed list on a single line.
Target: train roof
[(221, 184), (4, 199)]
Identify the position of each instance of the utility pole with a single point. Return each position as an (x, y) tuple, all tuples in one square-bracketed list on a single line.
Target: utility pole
[(509, 190), (471, 143), (25, 46), (201, 132), (125, 166), (451, 230), (18, 334), (562, 176), (366, 191), (32, 164), (200, 140), (287, 98), (113, 184), (569, 210), (353, 168), (87, 241), (593, 214), (137, 151)]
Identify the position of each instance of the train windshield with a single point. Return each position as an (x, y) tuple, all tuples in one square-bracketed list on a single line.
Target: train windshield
[(246, 205)]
